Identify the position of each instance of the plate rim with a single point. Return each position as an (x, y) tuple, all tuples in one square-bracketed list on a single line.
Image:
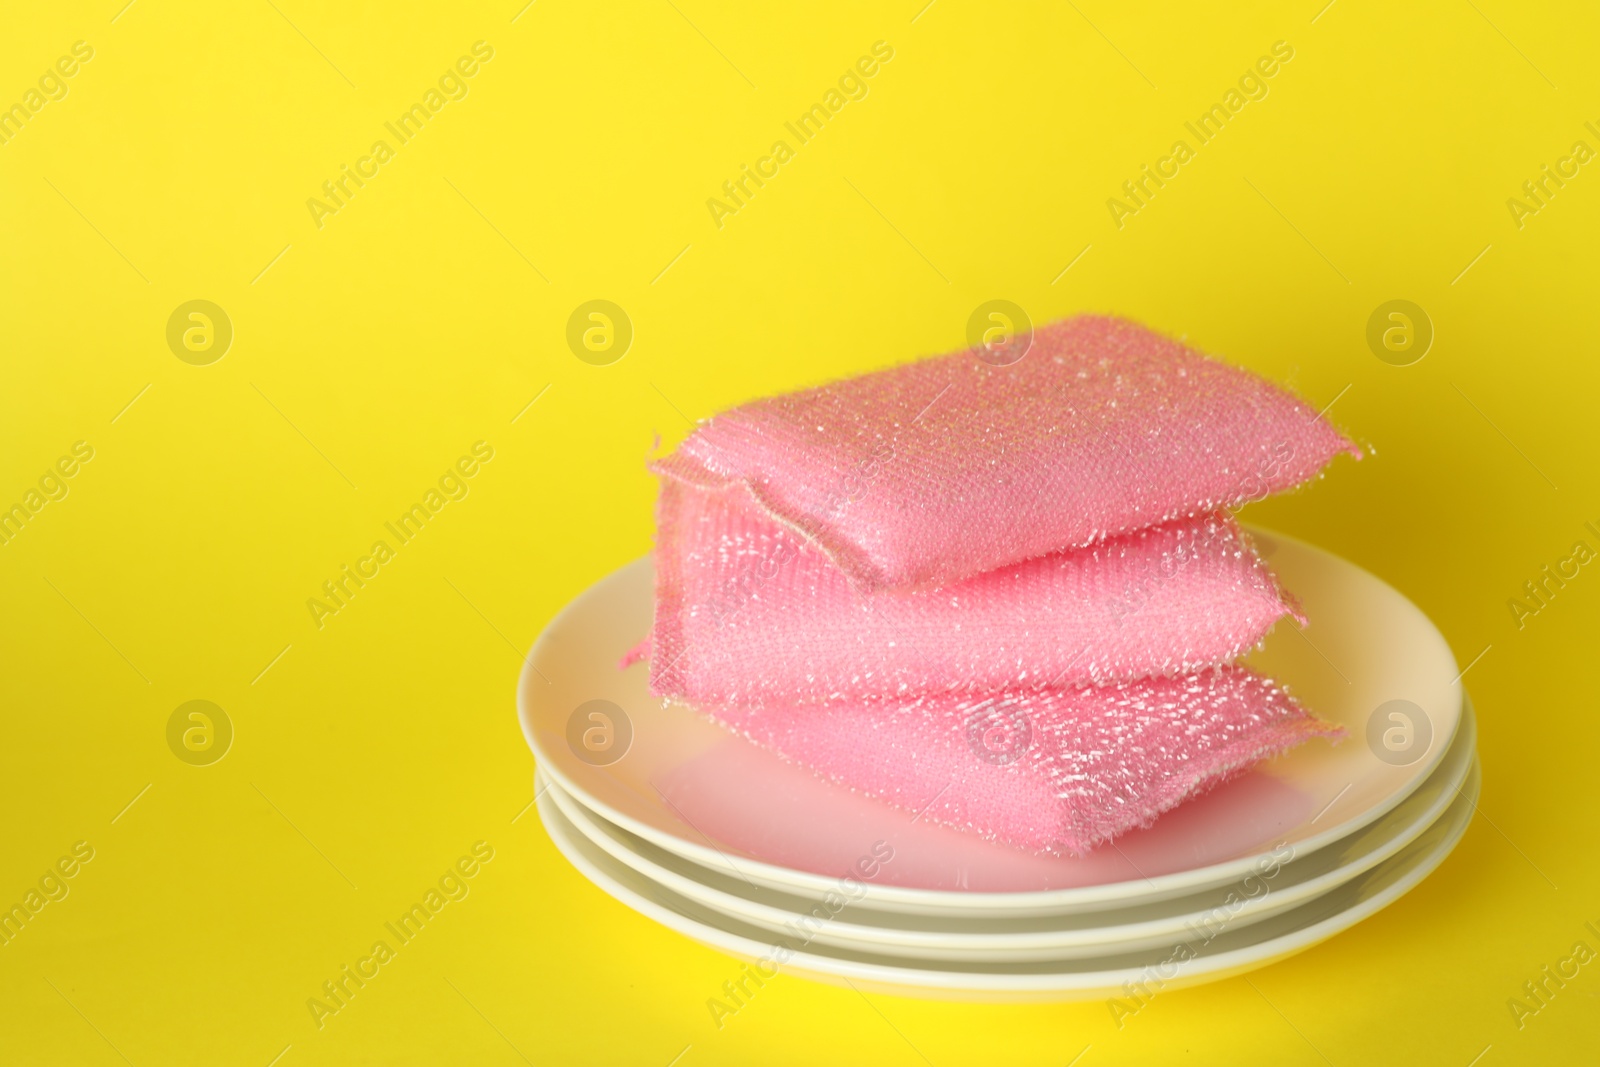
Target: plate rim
[(905, 940), (1063, 984), (1154, 889)]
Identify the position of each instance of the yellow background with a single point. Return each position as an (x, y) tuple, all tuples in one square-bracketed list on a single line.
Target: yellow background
[(432, 308)]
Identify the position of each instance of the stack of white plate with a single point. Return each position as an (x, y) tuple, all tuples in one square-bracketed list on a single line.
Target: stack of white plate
[(721, 840)]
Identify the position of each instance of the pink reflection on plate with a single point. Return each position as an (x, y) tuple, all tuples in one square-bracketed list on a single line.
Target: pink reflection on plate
[(750, 801)]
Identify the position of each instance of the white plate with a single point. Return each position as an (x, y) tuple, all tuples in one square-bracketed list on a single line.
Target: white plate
[(1072, 935), (1185, 961), (690, 787)]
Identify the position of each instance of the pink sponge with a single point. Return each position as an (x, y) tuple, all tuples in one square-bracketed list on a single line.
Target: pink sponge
[(748, 611), (934, 471), (1059, 771)]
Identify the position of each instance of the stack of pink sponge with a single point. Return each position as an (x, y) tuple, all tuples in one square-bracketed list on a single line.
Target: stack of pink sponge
[(1006, 596)]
